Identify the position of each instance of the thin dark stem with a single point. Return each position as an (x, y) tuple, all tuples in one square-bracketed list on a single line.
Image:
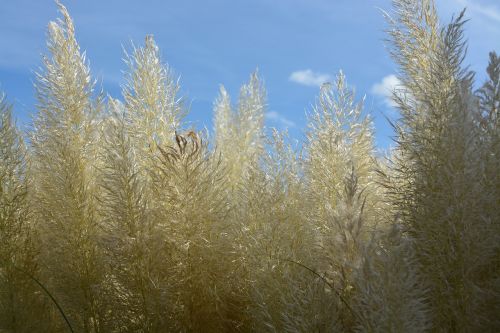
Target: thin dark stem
[(332, 287), (49, 294)]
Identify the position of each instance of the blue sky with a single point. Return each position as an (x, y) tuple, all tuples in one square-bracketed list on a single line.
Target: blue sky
[(296, 44)]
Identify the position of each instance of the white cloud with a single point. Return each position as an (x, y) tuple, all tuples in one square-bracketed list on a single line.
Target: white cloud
[(275, 116), (309, 78), (488, 11), (385, 88)]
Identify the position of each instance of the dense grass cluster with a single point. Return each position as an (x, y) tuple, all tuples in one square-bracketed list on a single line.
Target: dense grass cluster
[(114, 217)]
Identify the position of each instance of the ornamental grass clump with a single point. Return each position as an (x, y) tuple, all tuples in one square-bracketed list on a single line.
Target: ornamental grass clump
[(442, 189), (22, 303), (63, 148), (115, 216)]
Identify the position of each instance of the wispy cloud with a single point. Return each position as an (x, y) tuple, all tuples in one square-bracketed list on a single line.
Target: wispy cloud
[(385, 88), (307, 77), (276, 117), (488, 11)]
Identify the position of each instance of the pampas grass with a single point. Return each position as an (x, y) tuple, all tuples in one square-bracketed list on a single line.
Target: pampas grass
[(116, 217)]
